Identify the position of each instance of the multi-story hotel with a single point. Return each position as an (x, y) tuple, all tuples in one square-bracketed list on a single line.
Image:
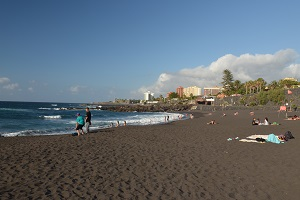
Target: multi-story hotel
[(179, 91), (212, 91), (197, 91), (194, 90)]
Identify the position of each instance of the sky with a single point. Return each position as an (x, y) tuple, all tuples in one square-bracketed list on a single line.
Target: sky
[(99, 50)]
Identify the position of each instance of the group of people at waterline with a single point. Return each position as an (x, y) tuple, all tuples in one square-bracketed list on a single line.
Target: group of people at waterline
[(81, 122), (86, 121)]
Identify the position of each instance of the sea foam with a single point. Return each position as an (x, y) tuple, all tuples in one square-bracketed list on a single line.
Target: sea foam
[(52, 117)]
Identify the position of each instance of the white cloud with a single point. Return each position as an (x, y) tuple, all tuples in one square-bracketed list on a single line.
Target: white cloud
[(7, 85), (30, 89), (11, 86), (76, 89), (244, 68), (4, 80)]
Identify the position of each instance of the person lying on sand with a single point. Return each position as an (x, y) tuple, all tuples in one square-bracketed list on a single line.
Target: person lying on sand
[(266, 122), (255, 122), (281, 137), (295, 117), (212, 122)]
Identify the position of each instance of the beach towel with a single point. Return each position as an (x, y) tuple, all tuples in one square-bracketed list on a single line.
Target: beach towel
[(262, 138), (245, 140), (273, 138), (257, 136)]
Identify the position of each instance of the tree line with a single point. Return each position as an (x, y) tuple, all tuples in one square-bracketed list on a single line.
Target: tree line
[(257, 92)]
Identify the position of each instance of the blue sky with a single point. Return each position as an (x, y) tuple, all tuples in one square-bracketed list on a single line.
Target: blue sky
[(90, 51)]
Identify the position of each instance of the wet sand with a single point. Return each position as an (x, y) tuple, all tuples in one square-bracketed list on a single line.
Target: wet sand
[(182, 160)]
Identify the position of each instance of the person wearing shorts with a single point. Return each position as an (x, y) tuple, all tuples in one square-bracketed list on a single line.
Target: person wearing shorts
[(88, 117), (79, 124)]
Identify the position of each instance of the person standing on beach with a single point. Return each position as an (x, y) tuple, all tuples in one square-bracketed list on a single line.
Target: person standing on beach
[(79, 124), (88, 117)]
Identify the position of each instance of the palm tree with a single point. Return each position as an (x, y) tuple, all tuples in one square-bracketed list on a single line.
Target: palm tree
[(251, 86), (246, 86), (273, 85), (261, 83)]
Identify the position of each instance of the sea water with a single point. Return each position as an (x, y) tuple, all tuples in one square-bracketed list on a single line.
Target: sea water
[(46, 118)]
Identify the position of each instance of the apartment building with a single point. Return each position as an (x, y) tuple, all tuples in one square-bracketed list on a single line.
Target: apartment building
[(196, 91), (179, 91), (209, 91)]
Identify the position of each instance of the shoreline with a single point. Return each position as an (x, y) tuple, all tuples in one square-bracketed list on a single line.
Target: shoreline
[(46, 123), (185, 159)]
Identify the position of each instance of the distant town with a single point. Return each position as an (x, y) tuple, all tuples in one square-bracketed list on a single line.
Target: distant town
[(232, 93)]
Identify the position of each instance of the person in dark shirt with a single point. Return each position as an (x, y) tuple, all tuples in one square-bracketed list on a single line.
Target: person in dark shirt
[(88, 117), (255, 121)]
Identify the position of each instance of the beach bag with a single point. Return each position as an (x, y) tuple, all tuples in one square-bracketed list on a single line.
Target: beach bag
[(288, 135)]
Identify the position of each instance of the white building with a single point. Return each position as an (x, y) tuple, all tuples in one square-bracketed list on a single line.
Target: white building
[(148, 96), (196, 91)]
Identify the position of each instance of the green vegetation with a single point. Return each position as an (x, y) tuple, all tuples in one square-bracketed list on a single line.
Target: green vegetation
[(254, 92), (275, 96), (257, 92), (173, 95), (227, 82)]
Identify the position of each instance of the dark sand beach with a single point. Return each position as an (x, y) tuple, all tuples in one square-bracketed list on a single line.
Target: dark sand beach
[(182, 160)]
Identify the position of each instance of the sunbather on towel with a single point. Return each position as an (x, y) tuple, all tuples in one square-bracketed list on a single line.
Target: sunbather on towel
[(212, 122), (266, 122), (295, 117)]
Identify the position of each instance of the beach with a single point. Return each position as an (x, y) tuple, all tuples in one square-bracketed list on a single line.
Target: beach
[(186, 159)]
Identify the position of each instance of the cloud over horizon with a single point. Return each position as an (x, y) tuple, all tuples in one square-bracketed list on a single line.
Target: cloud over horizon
[(76, 89), (245, 67), (7, 85)]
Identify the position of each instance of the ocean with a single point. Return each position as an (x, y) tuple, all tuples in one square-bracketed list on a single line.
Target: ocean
[(46, 118)]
